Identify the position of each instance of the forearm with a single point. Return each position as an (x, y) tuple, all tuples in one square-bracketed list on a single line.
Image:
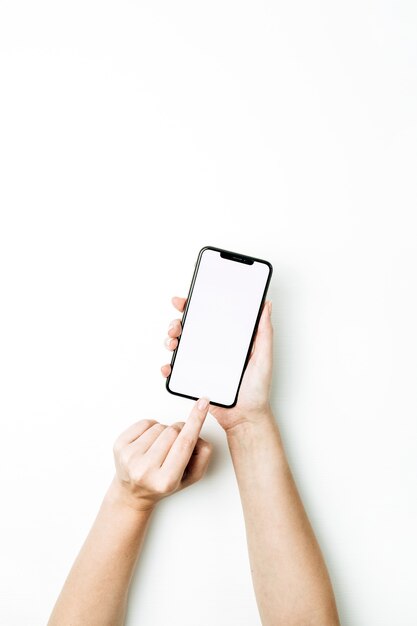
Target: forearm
[(95, 592), (291, 582)]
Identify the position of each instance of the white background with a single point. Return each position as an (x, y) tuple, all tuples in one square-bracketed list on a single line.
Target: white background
[(131, 135)]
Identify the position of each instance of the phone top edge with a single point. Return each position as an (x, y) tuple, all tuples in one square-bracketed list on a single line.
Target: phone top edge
[(237, 254)]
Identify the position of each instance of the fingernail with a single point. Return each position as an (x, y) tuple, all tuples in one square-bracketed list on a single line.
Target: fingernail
[(269, 307), (202, 404), (168, 341), (171, 326)]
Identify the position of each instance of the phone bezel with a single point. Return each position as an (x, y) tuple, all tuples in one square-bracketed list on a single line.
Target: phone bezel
[(237, 258)]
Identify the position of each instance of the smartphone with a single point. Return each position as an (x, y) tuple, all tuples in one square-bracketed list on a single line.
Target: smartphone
[(219, 323)]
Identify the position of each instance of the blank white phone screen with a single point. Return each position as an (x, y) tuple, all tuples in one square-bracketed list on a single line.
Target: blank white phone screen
[(218, 328)]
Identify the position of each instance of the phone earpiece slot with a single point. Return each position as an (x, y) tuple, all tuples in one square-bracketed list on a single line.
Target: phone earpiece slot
[(236, 257)]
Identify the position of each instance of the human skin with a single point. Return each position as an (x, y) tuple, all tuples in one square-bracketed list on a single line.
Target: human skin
[(290, 578), (152, 461)]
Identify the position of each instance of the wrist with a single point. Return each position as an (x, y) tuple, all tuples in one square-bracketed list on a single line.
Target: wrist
[(251, 422), (119, 496), (255, 436)]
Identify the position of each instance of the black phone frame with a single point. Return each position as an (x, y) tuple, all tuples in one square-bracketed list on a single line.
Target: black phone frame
[(238, 258)]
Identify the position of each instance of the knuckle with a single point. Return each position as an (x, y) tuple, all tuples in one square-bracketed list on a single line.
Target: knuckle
[(147, 422), (165, 484), (175, 427), (124, 457), (137, 474), (157, 428), (207, 446), (116, 447)]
